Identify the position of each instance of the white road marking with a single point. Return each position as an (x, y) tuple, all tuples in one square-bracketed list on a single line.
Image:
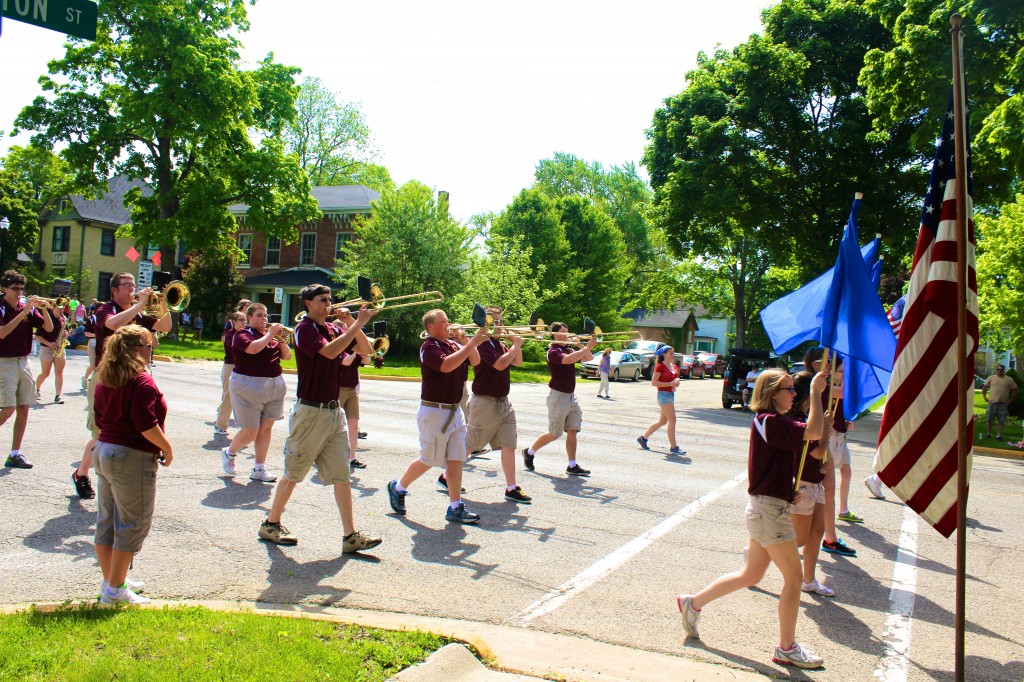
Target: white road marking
[(895, 663), (588, 577)]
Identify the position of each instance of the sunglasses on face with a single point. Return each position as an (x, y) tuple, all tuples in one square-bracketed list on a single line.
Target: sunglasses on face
[(791, 389)]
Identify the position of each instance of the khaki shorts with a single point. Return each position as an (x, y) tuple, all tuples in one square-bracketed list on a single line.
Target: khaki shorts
[(254, 399), (90, 406), (437, 446), (348, 398), (125, 496), (813, 493), (464, 403), (17, 385), (564, 413), (92, 351), (46, 353), (838, 450), (316, 436), (492, 421), (768, 520)]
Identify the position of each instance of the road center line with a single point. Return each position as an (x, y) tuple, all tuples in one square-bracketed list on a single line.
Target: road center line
[(588, 577), (895, 662)]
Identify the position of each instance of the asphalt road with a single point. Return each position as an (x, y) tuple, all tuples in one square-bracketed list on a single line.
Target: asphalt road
[(600, 557)]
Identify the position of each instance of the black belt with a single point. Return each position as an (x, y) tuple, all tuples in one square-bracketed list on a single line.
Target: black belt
[(332, 405), (443, 406)]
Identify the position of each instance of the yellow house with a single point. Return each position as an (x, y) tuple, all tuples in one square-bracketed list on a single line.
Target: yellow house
[(76, 233)]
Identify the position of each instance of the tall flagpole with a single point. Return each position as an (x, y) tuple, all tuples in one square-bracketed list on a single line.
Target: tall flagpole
[(963, 441)]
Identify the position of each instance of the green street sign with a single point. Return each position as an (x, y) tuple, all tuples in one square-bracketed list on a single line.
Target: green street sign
[(73, 17)]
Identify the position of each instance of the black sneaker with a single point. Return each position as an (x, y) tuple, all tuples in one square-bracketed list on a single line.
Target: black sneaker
[(527, 459), (643, 443), (17, 462), (83, 486), (577, 470), (443, 482), (395, 498), (58, 400), (838, 547), (362, 435), (356, 464), (517, 495)]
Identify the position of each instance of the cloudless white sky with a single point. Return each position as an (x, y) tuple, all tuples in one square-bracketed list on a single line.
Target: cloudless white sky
[(467, 96)]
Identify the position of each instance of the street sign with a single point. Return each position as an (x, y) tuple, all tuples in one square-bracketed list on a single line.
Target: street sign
[(278, 295), (74, 17), (145, 274)]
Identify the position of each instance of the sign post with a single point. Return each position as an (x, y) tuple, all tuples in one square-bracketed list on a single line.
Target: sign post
[(278, 294), (145, 274), (76, 18)]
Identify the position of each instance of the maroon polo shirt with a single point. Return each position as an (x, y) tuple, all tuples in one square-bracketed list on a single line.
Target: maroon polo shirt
[(122, 414), (266, 363), (812, 465), (666, 373), (438, 386), (486, 379), (775, 444), (348, 375), (110, 309), (58, 324), (318, 374), (18, 343), (563, 377), (90, 325), (229, 352)]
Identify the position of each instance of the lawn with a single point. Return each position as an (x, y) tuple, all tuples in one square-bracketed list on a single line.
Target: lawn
[(193, 643), (394, 366), (1013, 432)]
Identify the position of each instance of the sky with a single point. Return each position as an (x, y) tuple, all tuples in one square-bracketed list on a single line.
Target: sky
[(467, 96)]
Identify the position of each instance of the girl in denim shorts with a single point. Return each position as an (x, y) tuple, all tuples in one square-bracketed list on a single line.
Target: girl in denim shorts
[(665, 378), (776, 442)]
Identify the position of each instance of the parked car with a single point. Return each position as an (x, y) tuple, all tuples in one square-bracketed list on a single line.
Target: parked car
[(624, 366), (741, 360), (797, 367), (647, 352), (714, 364), (690, 367)]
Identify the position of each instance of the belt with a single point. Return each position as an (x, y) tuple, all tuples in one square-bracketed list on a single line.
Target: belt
[(443, 406), (496, 398), (332, 405)]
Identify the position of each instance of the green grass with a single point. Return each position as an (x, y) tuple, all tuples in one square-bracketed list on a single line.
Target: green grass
[(193, 643), (1013, 432)]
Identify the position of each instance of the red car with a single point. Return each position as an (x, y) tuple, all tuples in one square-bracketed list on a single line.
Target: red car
[(714, 364), (690, 367)]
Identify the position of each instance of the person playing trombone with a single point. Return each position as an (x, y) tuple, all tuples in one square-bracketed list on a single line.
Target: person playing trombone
[(564, 413)]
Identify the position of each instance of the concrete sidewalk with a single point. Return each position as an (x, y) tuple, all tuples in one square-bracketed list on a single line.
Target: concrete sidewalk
[(510, 653)]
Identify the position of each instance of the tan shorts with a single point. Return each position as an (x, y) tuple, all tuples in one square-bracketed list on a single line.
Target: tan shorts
[(254, 399), (437, 446), (316, 436), (348, 398), (125, 496), (768, 520), (464, 403), (491, 421), (564, 413), (17, 385), (838, 450), (45, 353), (813, 493), (91, 346), (90, 406)]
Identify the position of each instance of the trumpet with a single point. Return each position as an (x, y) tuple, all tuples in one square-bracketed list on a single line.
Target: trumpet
[(52, 303), (173, 298), (381, 344), (286, 336), (372, 295)]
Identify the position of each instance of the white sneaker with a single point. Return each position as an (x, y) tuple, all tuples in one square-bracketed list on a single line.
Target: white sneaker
[(227, 462), (217, 431), (874, 484), (817, 588), (133, 585), (122, 595), (691, 616), (262, 475)]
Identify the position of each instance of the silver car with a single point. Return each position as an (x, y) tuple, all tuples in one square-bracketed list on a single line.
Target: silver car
[(624, 366)]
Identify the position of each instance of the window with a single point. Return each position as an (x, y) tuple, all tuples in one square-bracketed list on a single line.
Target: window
[(61, 237), (245, 245), (341, 239), (107, 242), (704, 346), (103, 292), (308, 252), (273, 258)]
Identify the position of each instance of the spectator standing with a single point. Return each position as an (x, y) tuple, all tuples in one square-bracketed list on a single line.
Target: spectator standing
[(603, 370), (184, 324), (197, 327), (999, 391)]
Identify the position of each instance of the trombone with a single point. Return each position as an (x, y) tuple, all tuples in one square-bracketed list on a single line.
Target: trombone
[(286, 336), (595, 332), (52, 303), (172, 298), (371, 294), (536, 330)]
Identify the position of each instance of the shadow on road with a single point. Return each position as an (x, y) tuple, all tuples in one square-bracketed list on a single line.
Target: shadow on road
[(773, 671), (292, 582), (71, 533), (575, 486), (235, 495), (446, 546)]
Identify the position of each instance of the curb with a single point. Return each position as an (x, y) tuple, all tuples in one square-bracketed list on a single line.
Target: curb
[(522, 651), (998, 452)]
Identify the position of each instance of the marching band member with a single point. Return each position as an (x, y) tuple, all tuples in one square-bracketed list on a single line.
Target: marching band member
[(220, 426), (564, 413), (90, 333), (490, 417), (257, 390), (17, 320), (356, 354), (444, 367), (130, 413), (49, 346), (316, 431)]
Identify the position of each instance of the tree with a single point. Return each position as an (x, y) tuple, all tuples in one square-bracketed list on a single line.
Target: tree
[(48, 174), (160, 96), (409, 244), (19, 205), (214, 283), (330, 137), (1000, 269)]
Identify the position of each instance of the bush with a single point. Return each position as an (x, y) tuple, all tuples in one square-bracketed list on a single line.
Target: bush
[(1016, 408)]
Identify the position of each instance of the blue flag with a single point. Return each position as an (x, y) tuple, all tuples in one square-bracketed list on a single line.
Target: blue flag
[(853, 319), (863, 384), (796, 317)]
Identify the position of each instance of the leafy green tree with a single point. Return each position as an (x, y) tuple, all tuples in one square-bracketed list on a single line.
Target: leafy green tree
[(409, 244), (161, 96), (1000, 267), (19, 205), (48, 174), (214, 282), (502, 277)]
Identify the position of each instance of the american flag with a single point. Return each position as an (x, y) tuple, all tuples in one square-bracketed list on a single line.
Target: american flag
[(895, 315), (917, 444)]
